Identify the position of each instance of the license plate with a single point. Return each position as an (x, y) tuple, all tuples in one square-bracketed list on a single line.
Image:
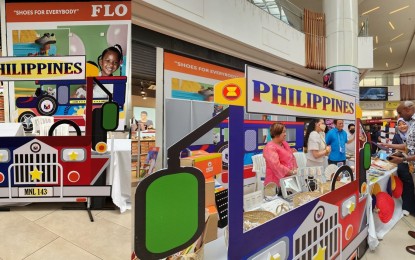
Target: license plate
[(36, 192)]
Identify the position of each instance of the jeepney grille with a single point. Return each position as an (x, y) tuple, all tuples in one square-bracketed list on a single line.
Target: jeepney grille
[(326, 234), (26, 163)]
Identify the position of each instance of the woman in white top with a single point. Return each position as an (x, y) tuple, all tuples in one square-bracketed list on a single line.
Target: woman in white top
[(317, 150)]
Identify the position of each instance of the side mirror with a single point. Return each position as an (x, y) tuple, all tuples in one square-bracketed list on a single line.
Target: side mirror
[(110, 116)]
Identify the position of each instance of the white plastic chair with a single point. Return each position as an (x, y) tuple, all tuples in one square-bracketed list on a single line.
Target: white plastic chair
[(44, 129), (37, 121), (301, 159), (61, 130), (259, 167)]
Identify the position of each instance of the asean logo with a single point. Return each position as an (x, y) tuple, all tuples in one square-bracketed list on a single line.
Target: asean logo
[(231, 92)]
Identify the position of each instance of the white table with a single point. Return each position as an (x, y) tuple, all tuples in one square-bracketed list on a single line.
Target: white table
[(119, 174), (11, 129), (378, 229)]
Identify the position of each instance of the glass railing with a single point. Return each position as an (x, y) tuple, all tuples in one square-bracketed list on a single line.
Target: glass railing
[(283, 10)]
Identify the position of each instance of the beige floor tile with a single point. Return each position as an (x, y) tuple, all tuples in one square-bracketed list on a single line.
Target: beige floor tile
[(122, 219), (411, 220), (20, 237), (35, 211), (102, 238), (61, 249), (393, 245)]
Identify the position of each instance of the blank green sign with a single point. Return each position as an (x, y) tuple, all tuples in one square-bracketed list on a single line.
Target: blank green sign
[(171, 211)]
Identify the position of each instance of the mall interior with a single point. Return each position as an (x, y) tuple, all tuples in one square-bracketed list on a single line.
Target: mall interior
[(251, 129)]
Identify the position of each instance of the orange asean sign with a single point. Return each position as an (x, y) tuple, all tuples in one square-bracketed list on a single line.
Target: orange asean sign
[(231, 92)]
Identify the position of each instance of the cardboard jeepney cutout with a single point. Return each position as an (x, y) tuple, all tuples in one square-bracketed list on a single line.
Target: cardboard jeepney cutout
[(331, 226), (68, 168), (98, 30)]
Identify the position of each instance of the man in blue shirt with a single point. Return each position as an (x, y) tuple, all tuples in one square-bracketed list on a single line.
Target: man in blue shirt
[(337, 139)]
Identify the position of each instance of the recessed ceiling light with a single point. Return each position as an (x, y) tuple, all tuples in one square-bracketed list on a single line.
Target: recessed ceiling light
[(376, 38), (371, 10), (397, 37), (391, 25), (400, 9), (390, 49)]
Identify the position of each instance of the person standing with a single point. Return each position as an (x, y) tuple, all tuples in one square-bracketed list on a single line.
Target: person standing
[(337, 139), (406, 110), (351, 147), (279, 158), (314, 140)]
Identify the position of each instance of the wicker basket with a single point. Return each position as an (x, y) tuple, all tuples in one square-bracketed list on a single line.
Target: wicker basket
[(304, 197), (255, 218), (198, 255), (326, 187)]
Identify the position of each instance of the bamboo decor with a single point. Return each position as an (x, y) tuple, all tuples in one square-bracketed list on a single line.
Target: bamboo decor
[(315, 40)]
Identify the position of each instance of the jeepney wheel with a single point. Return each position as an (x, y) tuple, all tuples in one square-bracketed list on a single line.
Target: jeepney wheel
[(47, 106), (65, 121), (26, 119), (224, 150)]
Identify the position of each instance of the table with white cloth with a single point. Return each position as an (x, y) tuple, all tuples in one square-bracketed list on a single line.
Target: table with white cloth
[(378, 229), (119, 173), (11, 129)]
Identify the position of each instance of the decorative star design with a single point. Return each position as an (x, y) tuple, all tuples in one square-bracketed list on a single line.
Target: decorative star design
[(352, 206), (320, 253), (36, 174), (275, 257), (73, 156)]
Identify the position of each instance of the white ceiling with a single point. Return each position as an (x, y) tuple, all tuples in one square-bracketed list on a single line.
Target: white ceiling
[(402, 58)]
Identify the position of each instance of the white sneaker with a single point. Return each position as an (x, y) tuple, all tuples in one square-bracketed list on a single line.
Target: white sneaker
[(405, 213)]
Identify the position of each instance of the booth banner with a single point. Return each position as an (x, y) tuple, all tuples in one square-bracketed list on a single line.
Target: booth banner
[(193, 79), (35, 68), (96, 33), (269, 93)]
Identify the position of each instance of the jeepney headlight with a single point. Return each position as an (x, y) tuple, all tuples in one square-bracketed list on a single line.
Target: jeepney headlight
[(4, 155), (73, 154)]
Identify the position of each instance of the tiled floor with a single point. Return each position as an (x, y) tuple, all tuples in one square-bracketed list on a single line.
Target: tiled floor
[(45, 231), (394, 243)]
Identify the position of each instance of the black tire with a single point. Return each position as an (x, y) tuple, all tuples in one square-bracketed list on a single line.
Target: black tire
[(47, 106), (224, 150), (65, 121), (26, 119)]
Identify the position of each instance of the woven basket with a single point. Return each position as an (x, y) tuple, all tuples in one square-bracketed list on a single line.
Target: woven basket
[(198, 255), (326, 187), (304, 197), (256, 217)]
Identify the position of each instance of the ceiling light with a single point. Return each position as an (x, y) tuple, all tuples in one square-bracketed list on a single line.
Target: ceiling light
[(400, 9), (387, 65), (391, 25), (376, 38), (371, 10), (390, 49), (397, 37), (142, 92)]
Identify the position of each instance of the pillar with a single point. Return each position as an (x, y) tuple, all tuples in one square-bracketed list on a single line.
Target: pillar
[(341, 72)]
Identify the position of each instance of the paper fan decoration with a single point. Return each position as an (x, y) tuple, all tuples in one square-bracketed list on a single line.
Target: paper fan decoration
[(376, 189), (389, 187), (393, 183), (373, 201), (385, 206), (397, 192)]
